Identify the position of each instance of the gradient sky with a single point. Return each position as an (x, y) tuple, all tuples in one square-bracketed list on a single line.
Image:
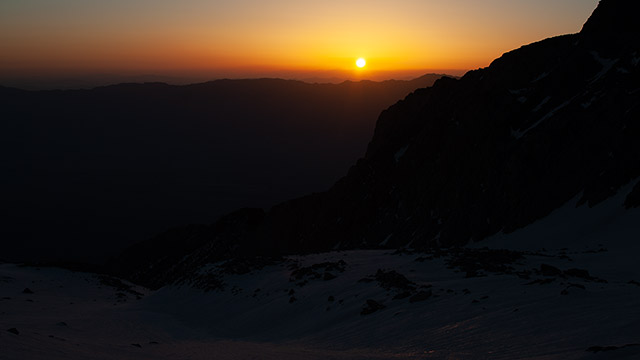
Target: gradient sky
[(289, 38)]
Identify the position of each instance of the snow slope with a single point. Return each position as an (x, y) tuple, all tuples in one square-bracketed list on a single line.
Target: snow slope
[(569, 288)]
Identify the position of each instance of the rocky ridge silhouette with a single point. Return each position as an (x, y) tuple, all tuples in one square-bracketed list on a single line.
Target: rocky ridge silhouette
[(464, 159)]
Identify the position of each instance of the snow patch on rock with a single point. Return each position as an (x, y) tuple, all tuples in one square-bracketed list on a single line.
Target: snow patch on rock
[(518, 134), (400, 153)]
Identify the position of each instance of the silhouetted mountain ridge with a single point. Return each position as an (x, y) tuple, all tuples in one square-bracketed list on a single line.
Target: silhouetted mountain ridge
[(493, 151)]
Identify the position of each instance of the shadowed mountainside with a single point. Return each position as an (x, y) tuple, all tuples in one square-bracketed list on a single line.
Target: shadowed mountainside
[(87, 172), (493, 151)]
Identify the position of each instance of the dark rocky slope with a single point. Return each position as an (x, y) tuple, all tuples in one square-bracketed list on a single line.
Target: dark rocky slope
[(493, 151)]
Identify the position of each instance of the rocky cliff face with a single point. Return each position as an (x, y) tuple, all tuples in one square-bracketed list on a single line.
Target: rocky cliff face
[(493, 151)]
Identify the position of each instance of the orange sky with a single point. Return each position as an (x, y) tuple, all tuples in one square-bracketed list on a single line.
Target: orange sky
[(287, 38)]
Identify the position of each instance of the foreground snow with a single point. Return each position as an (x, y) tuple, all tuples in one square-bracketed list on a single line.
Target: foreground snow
[(570, 289)]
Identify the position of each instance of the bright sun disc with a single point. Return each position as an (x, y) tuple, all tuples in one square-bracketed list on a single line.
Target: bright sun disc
[(361, 62)]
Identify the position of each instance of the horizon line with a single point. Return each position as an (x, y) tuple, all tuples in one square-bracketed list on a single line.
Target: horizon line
[(88, 82)]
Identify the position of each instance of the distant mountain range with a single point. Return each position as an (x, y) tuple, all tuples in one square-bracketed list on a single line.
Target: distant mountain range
[(464, 159), (88, 172)]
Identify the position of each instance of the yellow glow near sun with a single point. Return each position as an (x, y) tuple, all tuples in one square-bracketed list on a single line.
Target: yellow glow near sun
[(361, 62)]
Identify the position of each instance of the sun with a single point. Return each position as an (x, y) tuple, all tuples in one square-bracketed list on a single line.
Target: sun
[(361, 62)]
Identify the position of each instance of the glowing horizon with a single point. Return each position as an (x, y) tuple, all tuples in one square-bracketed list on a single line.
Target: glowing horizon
[(254, 38)]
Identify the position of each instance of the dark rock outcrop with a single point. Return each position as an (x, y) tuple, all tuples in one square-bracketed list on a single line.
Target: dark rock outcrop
[(579, 273), (633, 199), (391, 279), (325, 271), (371, 306), (548, 270), (173, 255), (420, 296), (597, 349)]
